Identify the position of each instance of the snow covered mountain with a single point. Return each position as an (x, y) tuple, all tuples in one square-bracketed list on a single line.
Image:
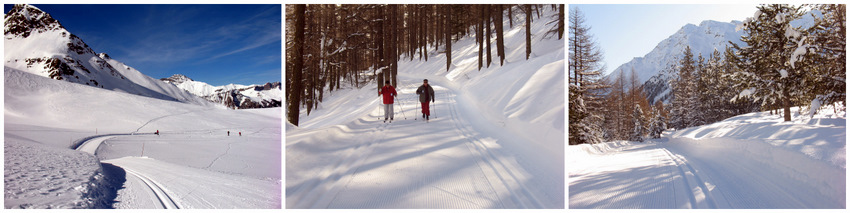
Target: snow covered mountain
[(231, 95), (702, 39), (37, 43)]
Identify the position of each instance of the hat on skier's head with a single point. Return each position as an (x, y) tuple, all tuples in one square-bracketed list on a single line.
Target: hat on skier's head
[(387, 82), (426, 80)]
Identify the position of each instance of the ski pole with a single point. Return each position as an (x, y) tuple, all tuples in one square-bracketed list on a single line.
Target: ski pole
[(435, 105), (402, 107)]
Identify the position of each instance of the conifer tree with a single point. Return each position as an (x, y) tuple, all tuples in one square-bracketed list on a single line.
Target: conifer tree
[(657, 123), (586, 87), (683, 92), (826, 56), (639, 131), (765, 70)]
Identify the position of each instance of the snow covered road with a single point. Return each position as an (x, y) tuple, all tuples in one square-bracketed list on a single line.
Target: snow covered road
[(444, 163), (707, 173)]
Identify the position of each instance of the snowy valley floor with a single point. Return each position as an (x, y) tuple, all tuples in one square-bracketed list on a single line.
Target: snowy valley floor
[(748, 161), (120, 163)]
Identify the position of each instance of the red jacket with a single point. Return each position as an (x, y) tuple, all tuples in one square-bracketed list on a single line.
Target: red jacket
[(388, 92)]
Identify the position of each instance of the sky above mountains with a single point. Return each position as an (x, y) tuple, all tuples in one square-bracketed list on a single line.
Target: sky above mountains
[(216, 44), (626, 31)]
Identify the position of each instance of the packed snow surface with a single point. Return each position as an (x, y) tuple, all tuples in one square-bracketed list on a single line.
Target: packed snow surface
[(120, 163), (749, 161), (495, 138)]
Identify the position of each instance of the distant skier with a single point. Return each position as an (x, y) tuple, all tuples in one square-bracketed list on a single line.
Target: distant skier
[(157, 132), (388, 91), (240, 133), (228, 133), (426, 94)]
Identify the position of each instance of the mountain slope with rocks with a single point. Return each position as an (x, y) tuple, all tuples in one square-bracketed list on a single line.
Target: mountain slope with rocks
[(233, 96), (37, 43)]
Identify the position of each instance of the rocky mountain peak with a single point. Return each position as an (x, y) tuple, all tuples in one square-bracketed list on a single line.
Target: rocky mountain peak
[(24, 19), (176, 79), (104, 56)]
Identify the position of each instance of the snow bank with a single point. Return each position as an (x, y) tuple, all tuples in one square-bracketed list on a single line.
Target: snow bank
[(821, 137), (39, 176)]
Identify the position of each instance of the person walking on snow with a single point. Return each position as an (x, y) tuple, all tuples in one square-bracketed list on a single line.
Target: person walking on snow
[(388, 91), (426, 94)]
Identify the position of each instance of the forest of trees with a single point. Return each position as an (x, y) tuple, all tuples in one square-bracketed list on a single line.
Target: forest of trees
[(329, 44), (782, 65)]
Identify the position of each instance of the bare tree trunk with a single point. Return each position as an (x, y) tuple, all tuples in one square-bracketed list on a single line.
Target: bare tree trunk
[(395, 40), (527, 31), (479, 35), (500, 36), (294, 103), (489, 17), (560, 21), (448, 37)]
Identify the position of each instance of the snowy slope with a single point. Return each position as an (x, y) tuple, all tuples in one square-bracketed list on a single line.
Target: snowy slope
[(748, 161), (34, 42), (44, 117), (143, 80), (495, 138)]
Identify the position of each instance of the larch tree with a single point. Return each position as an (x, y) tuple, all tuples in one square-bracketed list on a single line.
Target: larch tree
[(585, 84)]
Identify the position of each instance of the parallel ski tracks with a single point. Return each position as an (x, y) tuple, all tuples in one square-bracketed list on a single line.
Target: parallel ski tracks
[(504, 180), (90, 145), (164, 199), (341, 173), (699, 189)]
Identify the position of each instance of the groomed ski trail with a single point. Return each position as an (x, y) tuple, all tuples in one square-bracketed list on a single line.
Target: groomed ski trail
[(441, 163), (710, 173), (146, 176)]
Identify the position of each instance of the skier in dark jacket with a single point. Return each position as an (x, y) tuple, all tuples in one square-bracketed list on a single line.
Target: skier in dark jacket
[(426, 94), (389, 93)]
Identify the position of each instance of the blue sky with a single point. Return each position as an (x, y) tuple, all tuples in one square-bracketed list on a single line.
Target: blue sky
[(217, 44), (626, 31)]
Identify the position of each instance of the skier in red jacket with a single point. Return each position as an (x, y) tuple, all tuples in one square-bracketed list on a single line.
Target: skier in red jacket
[(389, 93)]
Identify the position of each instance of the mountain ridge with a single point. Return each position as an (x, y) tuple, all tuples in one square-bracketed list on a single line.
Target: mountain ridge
[(232, 95), (702, 39)]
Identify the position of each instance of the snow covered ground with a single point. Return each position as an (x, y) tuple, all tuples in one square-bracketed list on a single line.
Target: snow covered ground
[(495, 139), (192, 164), (749, 161)]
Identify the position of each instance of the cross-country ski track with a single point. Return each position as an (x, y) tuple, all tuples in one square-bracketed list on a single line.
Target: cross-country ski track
[(445, 162), (152, 183), (708, 173)]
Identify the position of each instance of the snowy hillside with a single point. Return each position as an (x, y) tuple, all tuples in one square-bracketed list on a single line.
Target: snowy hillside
[(747, 161), (36, 43), (231, 95), (44, 118), (702, 39), (495, 138)]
